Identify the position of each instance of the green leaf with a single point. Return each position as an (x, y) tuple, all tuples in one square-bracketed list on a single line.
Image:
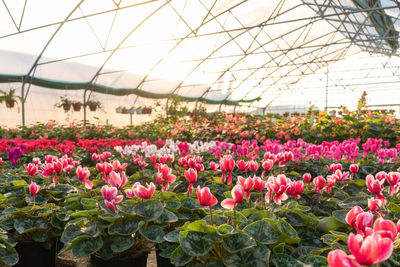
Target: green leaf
[(24, 225), (190, 203), (150, 210), (284, 260), (263, 232), (153, 233), (238, 241), (166, 253), (330, 223), (172, 236), (236, 216), (287, 230), (179, 257), (201, 226), (173, 205), (225, 229), (121, 243), (194, 244), (8, 255), (127, 227), (79, 228), (393, 207), (85, 213), (39, 236), (256, 256), (340, 215), (316, 261), (167, 217), (86, 247)]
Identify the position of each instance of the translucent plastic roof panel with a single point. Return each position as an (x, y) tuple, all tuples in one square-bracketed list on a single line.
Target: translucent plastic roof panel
[(215, 51)]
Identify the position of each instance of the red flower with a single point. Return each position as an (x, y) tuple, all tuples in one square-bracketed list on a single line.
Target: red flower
[(237, 197), (205, 197), (319, 182), (371, 250), (191, 177), (31, 168), (339, 258), (34, 189)]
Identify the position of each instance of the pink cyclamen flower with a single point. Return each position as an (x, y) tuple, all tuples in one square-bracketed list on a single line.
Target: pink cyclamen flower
[(393, 178), (34, 189), (227, 164), (205, 197), (386, 228), (363, 221), (339, 176), (214, 166), (353, 169), (331, 181), (374, 205), (111, 197), (254, 165), (381, 175), (371, 250), (83, 175), (1, 161), (339, 258), (352, 215), (143, 192), (333, 167), (118, 167), (259, 184), (191, 177), (277, 188), (295, 189), (307, 178), (31, 168), (247, 184), (319, 182), (237, 197), (375, 186), (242, 165), (117, 180)]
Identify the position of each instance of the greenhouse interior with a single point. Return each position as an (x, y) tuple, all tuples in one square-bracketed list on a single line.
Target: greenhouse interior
[(200, 133)]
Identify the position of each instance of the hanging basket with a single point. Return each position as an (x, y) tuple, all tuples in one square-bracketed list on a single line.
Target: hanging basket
[(124, 110), (118, 110), (10, 103), (66, 107), (93, 107), (131, 111), (147, 110), (77, 106)]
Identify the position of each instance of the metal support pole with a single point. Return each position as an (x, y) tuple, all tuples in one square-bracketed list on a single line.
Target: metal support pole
[(23, 103), (131, 117), (326, 90), (84, 107)]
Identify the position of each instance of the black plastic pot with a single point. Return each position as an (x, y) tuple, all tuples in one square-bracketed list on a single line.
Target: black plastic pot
[(139, 261), (37, 254), (163, 262)]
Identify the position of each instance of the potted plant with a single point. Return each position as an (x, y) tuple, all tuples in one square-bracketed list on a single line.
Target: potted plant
[(77, 105), (147, 110), (93, 104), (9, 97), (64, 103)]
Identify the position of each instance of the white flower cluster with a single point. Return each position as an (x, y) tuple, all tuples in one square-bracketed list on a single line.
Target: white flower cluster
[(170, 148)]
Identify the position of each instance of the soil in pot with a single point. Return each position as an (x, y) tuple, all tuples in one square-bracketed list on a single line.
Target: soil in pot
[(37, 254), (139, 261)]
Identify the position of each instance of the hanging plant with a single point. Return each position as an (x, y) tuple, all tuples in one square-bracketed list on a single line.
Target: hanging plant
[(147, 110), (9, 98), (64, 103), (93, 104), (77, 105), (124, 110)]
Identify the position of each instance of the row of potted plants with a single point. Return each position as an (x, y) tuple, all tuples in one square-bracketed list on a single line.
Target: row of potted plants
[(227, 205)]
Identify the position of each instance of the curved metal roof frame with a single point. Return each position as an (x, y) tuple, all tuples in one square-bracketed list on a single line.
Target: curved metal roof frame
[(298, 50)]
